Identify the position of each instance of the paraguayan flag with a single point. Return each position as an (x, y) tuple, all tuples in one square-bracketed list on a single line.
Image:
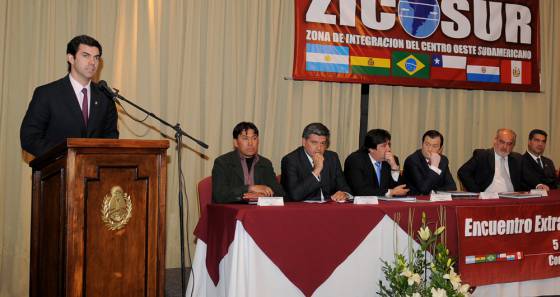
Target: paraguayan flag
[(483, 70), (327, 58)]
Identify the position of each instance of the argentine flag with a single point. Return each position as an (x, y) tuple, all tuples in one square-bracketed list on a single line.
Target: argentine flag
[(327, 58)]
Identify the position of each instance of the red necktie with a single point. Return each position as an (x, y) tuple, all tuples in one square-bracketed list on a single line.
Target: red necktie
[(85, 106)]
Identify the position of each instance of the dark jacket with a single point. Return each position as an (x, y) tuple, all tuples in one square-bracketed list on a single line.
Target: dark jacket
[(421, 180), (361, 176), (478, 172), (300, 184), (533, 174), (228, 182), (54, 114)]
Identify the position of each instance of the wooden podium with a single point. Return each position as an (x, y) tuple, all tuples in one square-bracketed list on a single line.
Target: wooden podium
[(98, 219)]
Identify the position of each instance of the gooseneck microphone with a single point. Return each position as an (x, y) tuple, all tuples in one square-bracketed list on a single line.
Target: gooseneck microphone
[(105, 87)]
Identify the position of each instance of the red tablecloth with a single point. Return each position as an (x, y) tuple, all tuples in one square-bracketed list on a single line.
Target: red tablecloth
[(308, 241)]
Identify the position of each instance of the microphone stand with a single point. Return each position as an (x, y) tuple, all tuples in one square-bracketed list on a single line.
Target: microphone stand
[(179, 133)]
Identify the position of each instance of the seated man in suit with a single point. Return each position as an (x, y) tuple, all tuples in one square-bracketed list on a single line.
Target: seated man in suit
[(373, 170), (242, 174), (311, 172), (497, 169), (427, 170), (71, 107), (538, 170)]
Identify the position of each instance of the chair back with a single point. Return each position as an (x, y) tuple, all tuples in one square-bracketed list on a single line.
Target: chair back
[(204, 189)]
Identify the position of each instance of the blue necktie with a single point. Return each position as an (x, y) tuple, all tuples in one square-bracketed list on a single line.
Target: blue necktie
[(378, 172)]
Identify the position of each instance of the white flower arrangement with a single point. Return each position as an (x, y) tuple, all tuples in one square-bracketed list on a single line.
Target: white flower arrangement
[(422, 275)]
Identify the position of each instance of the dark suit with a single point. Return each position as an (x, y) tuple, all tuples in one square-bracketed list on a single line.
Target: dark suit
[(54, 114), (300, 184), (421, 180), (362, 178), (478, 172), (228, 182), (534, 174)]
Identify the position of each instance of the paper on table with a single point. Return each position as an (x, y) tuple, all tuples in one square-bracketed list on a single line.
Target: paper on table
[(403, 199), (458, 193), (364, 200), (270, 201), (519, 195)]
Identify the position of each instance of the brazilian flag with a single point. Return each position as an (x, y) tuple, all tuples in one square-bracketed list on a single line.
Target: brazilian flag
[(410, 64)]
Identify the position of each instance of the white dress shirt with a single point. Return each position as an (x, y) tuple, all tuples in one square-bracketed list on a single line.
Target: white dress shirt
[(502, 181), (78, 91)]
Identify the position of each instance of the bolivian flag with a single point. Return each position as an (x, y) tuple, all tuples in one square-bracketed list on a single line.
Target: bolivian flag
[(411, 65), (371, 63)]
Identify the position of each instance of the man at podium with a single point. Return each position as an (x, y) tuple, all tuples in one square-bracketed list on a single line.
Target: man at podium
[(71, 107)]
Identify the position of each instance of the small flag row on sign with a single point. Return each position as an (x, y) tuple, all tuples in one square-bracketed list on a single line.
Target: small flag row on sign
[(337, 59)]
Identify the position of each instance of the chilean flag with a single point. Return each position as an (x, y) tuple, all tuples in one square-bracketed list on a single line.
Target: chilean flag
[(449, 67), (483, 70), (516, 72)]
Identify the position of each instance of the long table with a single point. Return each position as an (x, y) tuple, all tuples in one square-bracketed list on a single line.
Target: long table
[(326, 249)]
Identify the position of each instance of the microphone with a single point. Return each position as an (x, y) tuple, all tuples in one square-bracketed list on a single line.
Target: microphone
[(105, 87)]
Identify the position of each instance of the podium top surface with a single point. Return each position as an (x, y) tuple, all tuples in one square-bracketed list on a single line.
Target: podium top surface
[(120, 143), (97, 143)]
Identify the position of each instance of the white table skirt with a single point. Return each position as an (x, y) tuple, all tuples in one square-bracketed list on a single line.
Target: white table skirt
[(247, 271)]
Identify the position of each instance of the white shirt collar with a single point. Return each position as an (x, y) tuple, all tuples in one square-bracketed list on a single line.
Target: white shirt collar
[(533, 156), (373, 161), (308, 157), (78, 86), (78, 90), (499, 157)]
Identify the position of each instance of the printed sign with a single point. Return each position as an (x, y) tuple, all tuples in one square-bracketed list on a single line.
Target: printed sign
[(508, 243), (470, 44)]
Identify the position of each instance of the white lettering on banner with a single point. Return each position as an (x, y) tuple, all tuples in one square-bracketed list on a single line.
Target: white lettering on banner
[(464, 49), (317, 35), (317, 13), (547, 224), (487, 18), (519, 20), (460, 26), (387, 20), (504, 52), (553, 260), (347, 13), (481, 20), (512, 226), (497, 227), (385, 42), (436, 47), (338, 37)]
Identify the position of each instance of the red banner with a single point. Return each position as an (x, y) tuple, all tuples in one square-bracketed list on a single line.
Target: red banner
[(469, 44), (500, 244)]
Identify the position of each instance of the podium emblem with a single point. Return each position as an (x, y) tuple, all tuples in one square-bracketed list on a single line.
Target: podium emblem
[(116, 209)]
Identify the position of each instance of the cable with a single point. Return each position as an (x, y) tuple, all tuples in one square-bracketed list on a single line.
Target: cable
[(128, 114), (184, 189)]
